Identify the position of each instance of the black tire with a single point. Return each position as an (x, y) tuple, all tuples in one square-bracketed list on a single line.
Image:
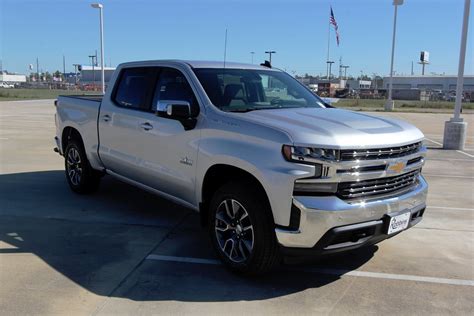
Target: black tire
[(264, 254), (81, 177)]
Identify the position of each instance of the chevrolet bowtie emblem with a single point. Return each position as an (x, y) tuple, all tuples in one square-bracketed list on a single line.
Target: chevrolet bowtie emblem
[(396, 167)]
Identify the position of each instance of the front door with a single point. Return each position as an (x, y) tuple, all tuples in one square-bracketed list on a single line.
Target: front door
[(170, 151)]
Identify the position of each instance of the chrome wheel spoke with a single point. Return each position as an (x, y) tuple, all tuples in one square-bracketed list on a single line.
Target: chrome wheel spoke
[(70, 161), (222, 229), (241, 249), (233, 250), (227, 242), (78, 178), (247, 244), (220, 217), (228, 209), (246, 228), (235, 208)]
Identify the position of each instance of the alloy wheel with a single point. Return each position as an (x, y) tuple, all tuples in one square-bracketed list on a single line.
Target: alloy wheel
[(234, 230), (74, 166)]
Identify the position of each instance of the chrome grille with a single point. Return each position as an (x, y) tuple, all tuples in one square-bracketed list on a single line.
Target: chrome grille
[(379, 153), (381, 186)]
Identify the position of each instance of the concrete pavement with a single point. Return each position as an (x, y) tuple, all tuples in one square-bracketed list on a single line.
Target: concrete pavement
[(125, 251)]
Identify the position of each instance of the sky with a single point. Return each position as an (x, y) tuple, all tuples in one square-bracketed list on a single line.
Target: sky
[(195, 29)]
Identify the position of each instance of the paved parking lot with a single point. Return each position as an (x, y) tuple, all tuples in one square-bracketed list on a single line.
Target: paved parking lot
[(125, 251)]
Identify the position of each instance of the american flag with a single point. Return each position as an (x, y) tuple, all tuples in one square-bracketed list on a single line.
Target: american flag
[(332, 21)]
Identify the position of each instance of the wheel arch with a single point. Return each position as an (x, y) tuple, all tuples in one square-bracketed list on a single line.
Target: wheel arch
[(69, 133), (218, 175)]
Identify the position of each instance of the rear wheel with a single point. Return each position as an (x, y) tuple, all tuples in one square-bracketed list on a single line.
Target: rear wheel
[(242, 230), (79, 174)]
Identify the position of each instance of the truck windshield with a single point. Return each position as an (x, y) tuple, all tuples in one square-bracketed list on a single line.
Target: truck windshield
[(243, 90)]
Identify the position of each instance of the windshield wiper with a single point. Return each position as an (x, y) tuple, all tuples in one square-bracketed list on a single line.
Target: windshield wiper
[(241, 110), (259, 108), (255, 109)]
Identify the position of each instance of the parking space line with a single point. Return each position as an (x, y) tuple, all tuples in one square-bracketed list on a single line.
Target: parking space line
[(446, 176), (459, 151), (440, 136), (454, 159), (451, 208), (433, 141), (462, 152), (183, 259), (338, 272)]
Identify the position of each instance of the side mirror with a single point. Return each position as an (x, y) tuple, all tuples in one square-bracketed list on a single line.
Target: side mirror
[(174, 109), (177, 110)]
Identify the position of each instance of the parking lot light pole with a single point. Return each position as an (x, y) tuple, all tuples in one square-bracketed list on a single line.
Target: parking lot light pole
[(389, 105), (101, 7), (330, 66), (270, 52), (455, 129)]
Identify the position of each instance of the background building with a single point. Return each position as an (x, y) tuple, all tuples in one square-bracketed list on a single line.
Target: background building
[(356, 84), (12, 78), (87, 75), (440, 82)]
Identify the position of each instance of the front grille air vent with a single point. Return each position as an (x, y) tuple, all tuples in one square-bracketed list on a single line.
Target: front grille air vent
[(379, 153), (381, 186)]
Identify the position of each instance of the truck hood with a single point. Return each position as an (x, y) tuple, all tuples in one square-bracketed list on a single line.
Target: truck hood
[(336, 128)]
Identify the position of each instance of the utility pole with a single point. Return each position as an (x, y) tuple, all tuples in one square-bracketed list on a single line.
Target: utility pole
[(329, 67), (37, 69), (423, 64), (389, 105), (93, 57), (412, 73), (76, 66), (340, 68), (345, 71), (455, 129), (270, 52), (252, 53), (64, 66), (100, 6)]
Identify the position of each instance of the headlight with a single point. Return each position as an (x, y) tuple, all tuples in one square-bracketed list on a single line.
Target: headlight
[(308, 154)]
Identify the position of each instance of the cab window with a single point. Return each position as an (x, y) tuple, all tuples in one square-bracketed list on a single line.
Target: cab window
[(173, 85), (135, 87)]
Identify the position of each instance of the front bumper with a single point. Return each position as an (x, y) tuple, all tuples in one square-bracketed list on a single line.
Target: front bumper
[(324, 218)]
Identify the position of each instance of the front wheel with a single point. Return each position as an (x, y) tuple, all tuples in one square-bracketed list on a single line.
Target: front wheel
[(242, 229), (79, 173)]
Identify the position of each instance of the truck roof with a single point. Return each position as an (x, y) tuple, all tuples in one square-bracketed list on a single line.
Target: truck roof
[(201, 64)]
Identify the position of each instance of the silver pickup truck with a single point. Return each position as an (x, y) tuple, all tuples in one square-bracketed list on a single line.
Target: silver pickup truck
[(274, 171)]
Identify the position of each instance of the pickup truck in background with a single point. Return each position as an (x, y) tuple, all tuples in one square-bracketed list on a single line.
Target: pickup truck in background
[(273, 170)]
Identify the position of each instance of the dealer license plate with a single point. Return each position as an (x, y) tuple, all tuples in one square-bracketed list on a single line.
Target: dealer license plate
[(398, 223)]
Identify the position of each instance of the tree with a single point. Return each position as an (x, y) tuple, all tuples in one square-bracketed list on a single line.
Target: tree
[(364, 77)]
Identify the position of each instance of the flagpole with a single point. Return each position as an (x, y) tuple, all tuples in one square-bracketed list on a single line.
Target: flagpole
[(329, 36)]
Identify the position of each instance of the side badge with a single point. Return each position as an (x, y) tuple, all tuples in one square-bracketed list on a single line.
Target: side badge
[(186, 161)]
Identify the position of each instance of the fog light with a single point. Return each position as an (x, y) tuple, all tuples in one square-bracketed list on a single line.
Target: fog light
[(315, 188)]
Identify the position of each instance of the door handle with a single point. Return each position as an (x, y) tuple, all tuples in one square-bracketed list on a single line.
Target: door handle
[(106, 118), (146, 126)]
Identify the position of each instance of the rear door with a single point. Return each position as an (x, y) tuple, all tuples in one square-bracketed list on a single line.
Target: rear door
[(122, 122)]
